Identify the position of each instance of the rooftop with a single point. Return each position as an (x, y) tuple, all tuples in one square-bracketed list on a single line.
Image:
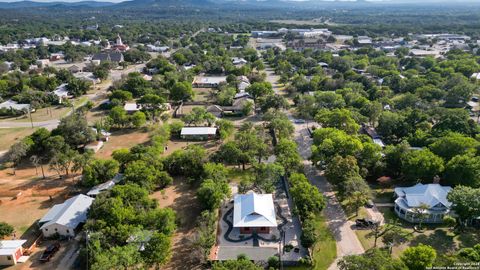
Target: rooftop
[(429, 194), (198, 131), (254, 210), (70, 213), (8, 247)]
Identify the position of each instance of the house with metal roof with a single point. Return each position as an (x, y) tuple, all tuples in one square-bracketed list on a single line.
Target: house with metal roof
[(208, 81), (429, 200), (15, 106), (254, 212), (11, 251), (105, 186), (63, 219), (198, 133), (115, 57)]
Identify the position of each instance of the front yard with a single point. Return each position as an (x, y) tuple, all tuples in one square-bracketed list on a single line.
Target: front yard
[(325, 249), (441, 238)]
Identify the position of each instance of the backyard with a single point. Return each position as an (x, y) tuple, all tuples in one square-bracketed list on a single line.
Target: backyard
[(181, 197)]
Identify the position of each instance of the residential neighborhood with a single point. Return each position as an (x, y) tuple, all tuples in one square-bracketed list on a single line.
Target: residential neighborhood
[(223, 135)]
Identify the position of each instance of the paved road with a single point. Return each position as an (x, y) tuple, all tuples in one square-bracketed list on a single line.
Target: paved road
[(347, 241)]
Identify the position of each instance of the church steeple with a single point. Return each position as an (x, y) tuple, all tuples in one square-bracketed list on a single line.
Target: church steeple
[(119, 41)]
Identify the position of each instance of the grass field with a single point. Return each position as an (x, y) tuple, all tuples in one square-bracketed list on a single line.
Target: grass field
[(324, 251), (12, 135), (439, 237)]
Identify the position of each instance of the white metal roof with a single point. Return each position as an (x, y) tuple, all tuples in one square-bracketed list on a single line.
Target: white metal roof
[(61, 91), (429, 194), (101, 187), (210, 79), (131, 107), (14, 105), (198, 131), (70, 213), (254, 210), (8, 247)]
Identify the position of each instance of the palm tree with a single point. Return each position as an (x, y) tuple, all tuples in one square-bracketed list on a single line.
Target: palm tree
[(421, 213)]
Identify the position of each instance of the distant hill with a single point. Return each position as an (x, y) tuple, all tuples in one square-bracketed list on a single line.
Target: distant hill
[(33, 4)]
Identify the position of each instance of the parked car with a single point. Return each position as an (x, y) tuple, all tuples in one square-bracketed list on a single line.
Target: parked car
[(49, 252), (369, 204), (363, 223), (299, 121)]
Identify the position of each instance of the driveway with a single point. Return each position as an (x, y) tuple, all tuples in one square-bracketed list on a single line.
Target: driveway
[(347, 240)]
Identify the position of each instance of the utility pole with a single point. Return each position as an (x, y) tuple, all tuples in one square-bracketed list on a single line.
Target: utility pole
[(30, 114), (86, 245)]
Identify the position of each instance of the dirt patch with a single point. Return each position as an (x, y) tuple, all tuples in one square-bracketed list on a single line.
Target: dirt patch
[(181, 197), (122, 139)]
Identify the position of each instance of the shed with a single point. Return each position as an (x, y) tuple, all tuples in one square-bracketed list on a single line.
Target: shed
[(64, 218), (198, 133), (11, 251)]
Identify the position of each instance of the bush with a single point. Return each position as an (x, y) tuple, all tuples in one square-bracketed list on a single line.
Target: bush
[(5, 229), (309, 236), (273, 262)]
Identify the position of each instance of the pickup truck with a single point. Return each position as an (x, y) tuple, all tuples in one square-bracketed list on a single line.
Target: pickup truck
[(49, 252)]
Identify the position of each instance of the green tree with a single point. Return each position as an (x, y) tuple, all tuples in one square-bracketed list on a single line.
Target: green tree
[(99, 171), (182, 91), (267, 175), (17, 152), (453, 144), (357, 199), (75, 130), (465, 203), (138, 119), (157, 250), (421, 165), (5, 229), (260, 89), (338, 118), (341, 169), (463, 170), (242, 263), (373, 259), (77, 87), (309, 235), (308, 200), (419, 257), (393, 127), (288, 156), (225, 128), (212, 193)]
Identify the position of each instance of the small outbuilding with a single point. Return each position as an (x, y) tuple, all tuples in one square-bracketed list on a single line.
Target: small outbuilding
[(198, 133), (63, 219), (11, 251)]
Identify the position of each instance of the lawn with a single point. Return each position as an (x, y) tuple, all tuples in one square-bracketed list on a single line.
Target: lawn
[(439, 237), (202, 94), (324, 251), (236, 175), (12, 135), (50, 113)]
